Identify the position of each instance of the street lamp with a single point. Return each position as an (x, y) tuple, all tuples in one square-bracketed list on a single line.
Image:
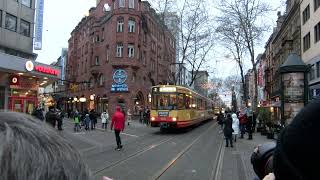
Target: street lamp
[(82, 99)]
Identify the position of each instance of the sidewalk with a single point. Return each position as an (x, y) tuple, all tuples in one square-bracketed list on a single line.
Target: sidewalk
[(236, 160)]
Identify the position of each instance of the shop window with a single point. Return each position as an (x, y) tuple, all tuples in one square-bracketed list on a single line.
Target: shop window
[(26, 3), (24, 28), (11, 22)]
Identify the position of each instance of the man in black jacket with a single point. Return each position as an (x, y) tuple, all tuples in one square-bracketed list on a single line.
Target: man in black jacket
[(51, 117)]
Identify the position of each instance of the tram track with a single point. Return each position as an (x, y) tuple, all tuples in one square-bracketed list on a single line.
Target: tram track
[(160, 173)]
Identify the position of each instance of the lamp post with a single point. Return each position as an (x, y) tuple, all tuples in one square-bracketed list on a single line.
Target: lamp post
[(294, 87)]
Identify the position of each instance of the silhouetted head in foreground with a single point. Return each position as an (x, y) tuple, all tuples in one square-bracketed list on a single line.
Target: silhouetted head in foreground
[(30, 150)]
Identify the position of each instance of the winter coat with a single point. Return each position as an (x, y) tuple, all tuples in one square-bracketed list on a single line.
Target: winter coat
[(243, 119), (104, 117), (87, 119), (93, 117), (235, 124), (118, 120), (76, 118), (51, 117), (227, 130)]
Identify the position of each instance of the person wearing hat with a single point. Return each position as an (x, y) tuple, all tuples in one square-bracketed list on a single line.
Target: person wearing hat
[(297, 151)]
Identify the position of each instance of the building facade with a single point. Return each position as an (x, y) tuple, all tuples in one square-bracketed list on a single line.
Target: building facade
[(310, 42), (21, 78), (116, 54), (201, 82)]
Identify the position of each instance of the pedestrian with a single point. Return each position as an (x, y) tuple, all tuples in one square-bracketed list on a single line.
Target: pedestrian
[(243, 122), (87, 122), (220, 120), (93, 119), (141, 114), (104, 119), (228, 130), (129, 116), (235, 126), (32, 151), (60, 119), (146, 115), (118, 123), (76, 118), (250, 127), (51, 117), (38, 113)]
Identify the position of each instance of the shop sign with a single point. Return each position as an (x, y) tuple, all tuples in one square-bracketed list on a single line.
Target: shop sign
[(119, 77), (46, 70), (14, 80)]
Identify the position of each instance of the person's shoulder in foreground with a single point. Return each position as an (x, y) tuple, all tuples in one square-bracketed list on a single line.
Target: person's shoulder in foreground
[(30, 150)]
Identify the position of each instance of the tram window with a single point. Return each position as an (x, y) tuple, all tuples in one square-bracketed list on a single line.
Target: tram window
[(166, 101), (181, 101), (188, 102)]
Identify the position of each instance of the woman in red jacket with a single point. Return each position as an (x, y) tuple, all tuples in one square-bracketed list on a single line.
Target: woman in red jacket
[(117, 123)]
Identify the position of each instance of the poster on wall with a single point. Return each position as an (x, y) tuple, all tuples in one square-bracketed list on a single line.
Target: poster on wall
[(293, 84), (291, 110)]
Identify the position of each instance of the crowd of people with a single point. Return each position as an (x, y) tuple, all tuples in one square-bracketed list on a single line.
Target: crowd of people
[(234, 123)]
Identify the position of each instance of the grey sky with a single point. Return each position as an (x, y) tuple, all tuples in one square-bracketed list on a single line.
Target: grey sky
[(61, 17)]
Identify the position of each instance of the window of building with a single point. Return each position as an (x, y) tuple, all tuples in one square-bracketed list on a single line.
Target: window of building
[(131, 4), (91, 83), (153, 68), (108, 56), (306, 14), (318, 69), (316, 4), (144, 58), (24, 28), (97, 38), (11, 22), (306, 42), (130, 50), (97, 61), (131, 25), (312, 73), (122, 3), (0, 18), (119, 50), (134, 76), (26, 3), (317, 33), (120, 25), (101, 80)]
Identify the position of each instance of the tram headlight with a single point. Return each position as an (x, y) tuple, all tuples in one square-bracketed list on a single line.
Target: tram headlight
[(174, 119), (153, 118)]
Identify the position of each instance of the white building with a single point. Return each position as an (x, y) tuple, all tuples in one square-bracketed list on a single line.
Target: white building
[(310, 41)]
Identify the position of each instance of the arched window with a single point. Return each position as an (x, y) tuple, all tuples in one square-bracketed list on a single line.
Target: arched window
[(91, 83), (101, 80)]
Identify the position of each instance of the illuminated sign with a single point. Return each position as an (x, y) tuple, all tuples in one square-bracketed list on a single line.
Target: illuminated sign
[(46, 70), (14, 80), (29, 65), (39, 25), (168, 89), (119, 77)]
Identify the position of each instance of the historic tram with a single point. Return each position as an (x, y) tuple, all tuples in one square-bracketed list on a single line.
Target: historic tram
[(177, 107)]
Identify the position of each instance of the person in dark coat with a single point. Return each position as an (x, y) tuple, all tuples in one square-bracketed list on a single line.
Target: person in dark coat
[(51, 117), (38, 113), (220, 119), (250, 127), (60, 115), (227, 130), (93, 119)]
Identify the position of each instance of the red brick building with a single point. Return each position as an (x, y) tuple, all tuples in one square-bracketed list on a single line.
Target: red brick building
[(116, 54)]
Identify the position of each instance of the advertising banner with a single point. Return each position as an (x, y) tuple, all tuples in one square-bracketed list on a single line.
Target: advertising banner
[(38, 25)]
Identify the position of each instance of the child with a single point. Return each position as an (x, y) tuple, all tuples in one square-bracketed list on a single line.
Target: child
[(76, 122)]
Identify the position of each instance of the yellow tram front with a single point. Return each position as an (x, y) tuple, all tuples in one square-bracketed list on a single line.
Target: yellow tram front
[(177, 107)]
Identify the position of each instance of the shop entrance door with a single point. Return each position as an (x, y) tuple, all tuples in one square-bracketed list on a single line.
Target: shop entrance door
[(16, 105), (22, 104)]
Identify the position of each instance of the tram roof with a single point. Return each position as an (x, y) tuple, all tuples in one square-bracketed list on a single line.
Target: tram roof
[(185, 88)]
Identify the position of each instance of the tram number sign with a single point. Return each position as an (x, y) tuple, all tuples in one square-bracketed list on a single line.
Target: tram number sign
[(163, 113)]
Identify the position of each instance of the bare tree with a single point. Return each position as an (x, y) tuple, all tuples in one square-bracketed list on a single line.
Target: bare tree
[(194, 39), (231, 39), (248, 14)]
